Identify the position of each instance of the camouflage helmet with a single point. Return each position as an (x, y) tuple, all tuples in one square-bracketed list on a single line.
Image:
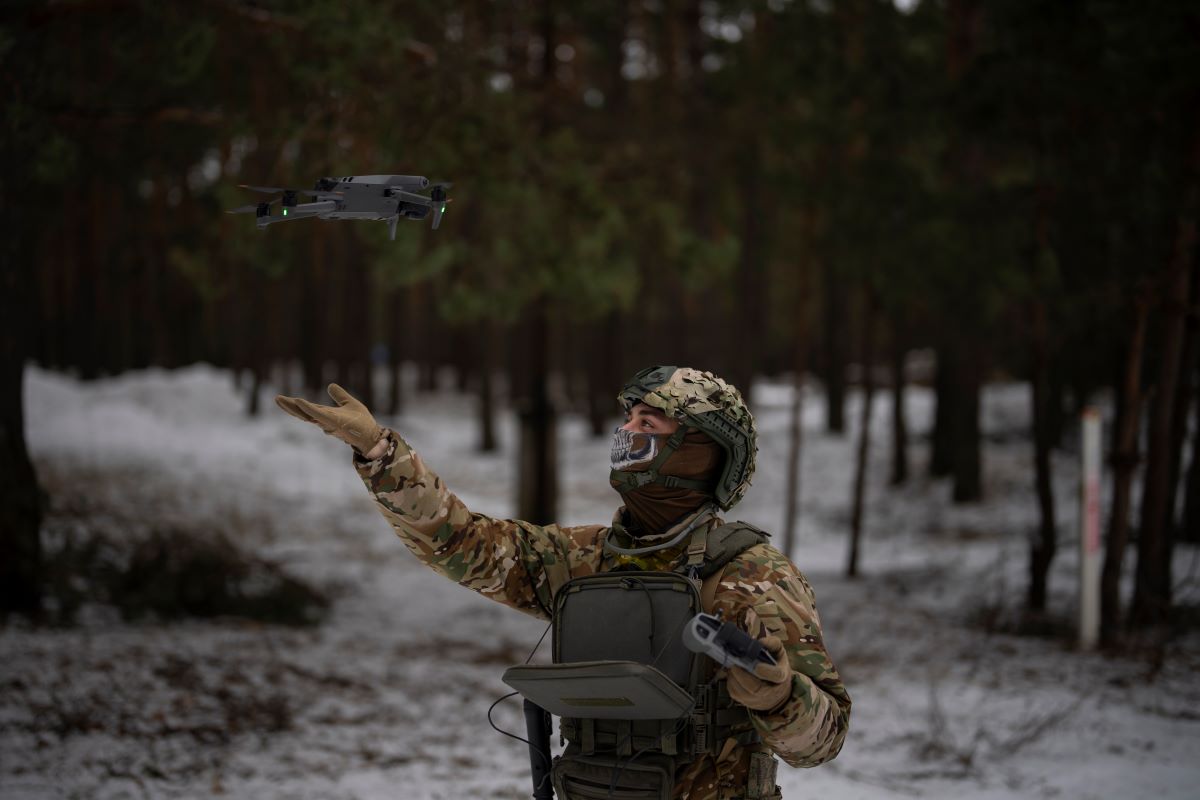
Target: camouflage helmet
[(702, 401)]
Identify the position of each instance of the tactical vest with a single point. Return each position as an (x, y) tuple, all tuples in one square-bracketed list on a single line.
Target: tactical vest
[(635, 704)]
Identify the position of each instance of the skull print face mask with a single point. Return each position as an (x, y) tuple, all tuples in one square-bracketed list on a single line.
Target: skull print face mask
[(632, 449)]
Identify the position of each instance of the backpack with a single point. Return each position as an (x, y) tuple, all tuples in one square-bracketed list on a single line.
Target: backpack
[(635, 704)]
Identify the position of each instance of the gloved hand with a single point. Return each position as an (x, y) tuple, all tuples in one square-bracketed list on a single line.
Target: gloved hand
[(770, 686), (349, 421)]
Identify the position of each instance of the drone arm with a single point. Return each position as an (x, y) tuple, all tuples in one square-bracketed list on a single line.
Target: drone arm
[(293, 213), (409, 197)]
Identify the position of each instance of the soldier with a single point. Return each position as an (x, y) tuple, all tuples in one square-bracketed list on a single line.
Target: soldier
[(685, 452)]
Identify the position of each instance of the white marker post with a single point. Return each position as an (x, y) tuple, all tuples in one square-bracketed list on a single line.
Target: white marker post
[(1089, 530)]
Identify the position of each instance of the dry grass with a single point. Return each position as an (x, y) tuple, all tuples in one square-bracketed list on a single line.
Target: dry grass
[(106, 543)]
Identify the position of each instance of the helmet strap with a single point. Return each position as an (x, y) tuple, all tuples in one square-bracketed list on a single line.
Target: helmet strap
[(628, 481)]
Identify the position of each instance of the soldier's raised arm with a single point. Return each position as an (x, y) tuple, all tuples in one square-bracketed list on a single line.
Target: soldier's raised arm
[(515, 563)]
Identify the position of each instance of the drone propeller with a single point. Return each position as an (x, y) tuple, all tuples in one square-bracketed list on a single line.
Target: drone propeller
[(280, 190), (264, 189)]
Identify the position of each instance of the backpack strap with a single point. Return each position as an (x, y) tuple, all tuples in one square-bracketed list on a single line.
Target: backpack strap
[(708, 591), (723, 544)]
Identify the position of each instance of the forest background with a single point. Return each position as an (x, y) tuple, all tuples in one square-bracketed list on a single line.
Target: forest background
[(758, 188)]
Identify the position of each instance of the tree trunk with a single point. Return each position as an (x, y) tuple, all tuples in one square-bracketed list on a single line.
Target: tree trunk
[(1183, 404), (426, 374), (956, 439), (538, 473), (1124, 462), (251, 344), (397, 319), (464, 357), (603, 377), (537, 492), (595, 407), (396, 387), (940, 460), (834, 342), (752, 269), (20, 499), (92, 291), (899, 417), (487, 389), (312, 336), (425, 353), (1057, 415), (965, 436), (1189, 530), (254, 390), (1044, 545), (956, 434), (356, 320), (791, 515), (864, 440), (1152, 592)]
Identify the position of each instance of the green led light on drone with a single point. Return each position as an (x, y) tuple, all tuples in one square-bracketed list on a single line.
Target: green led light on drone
[(285, 212), (443, 209)]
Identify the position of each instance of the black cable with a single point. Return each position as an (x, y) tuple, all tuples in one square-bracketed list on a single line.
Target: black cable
[(628, 583), (499, 700), (678, 630), (541, 639), (531, 745)]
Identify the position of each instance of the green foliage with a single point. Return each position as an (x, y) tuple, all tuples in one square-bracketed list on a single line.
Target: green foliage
[(955, 167), (197, 270), (55, 160)]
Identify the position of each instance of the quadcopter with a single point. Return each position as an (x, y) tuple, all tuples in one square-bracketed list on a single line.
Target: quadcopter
[(385, 197)]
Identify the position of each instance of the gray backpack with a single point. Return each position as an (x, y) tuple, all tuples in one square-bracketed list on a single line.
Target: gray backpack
[(635, 704)]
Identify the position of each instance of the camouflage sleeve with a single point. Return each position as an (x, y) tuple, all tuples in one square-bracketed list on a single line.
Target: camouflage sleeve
[(512, 562), (768, 596)]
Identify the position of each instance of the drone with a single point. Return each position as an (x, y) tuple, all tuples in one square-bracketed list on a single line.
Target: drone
[(384, 197)]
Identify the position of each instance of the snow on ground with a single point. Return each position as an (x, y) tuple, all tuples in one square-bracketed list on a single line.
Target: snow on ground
[(388, 697)]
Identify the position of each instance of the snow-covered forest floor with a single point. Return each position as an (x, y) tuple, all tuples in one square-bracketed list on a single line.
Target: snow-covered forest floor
[(387, 696)]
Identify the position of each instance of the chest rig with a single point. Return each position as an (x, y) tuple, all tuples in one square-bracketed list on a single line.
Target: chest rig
[(634, 703)]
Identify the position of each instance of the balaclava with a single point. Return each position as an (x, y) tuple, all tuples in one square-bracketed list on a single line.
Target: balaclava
[(653, 508)]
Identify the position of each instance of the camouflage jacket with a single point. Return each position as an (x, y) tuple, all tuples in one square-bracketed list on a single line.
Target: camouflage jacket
[(522, 565)]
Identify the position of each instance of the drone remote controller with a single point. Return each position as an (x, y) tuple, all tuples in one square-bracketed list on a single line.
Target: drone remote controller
[(725, 643)]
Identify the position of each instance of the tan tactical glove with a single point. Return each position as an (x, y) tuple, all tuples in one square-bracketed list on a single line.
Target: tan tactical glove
[(349, 421), (769, 687)]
